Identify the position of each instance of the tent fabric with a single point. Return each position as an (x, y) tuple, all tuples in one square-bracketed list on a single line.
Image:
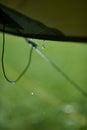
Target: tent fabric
[(18, 24), (52, 18)]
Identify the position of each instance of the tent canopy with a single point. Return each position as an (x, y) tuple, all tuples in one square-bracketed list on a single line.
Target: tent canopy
[(57, 20)]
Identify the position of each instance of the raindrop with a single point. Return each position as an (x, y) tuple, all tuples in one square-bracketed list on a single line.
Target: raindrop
[(32, 93), (68, 108), (43, 46)]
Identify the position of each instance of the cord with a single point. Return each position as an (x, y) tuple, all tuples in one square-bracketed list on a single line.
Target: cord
[(3, 65), (58, 69)]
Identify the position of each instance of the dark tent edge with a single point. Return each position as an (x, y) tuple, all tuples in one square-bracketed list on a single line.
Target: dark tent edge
[(27, 27)]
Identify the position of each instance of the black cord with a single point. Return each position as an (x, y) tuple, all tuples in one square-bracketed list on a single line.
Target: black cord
[(3, 65)]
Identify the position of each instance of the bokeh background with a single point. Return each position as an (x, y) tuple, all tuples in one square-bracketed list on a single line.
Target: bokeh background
[(43, 99)]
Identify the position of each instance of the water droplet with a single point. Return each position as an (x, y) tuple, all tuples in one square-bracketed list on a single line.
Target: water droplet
[(32, 93), (43, 45), (68, 108)]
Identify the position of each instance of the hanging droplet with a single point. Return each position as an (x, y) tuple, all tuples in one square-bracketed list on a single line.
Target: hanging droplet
[(32, 93), (43, 46)]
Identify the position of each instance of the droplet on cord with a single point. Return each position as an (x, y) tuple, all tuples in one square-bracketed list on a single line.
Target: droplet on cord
[(43, 45)]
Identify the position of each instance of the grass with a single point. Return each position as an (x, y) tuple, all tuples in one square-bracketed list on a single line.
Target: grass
[(43, 99)]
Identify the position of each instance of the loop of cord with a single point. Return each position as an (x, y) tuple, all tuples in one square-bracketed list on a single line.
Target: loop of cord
[(57, 68), (3, 65)]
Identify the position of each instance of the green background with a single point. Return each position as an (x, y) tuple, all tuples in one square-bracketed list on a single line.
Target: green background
[(42, 99)]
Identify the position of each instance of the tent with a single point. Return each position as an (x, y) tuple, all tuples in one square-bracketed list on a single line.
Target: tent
[(42, 98), (52, 20)]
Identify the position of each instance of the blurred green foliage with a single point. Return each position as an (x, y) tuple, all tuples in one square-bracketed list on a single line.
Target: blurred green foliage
[(43, 99)]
